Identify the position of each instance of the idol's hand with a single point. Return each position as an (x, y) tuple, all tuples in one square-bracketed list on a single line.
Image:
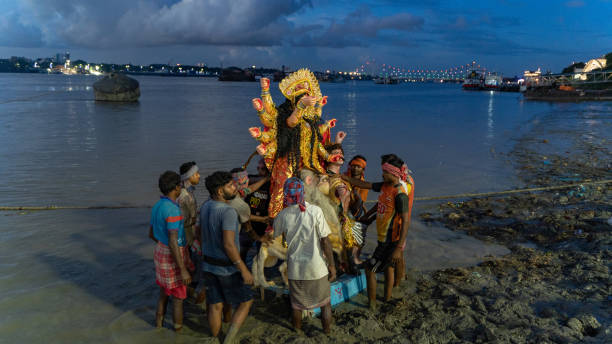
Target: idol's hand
[(332, 123), (323, 101), (261, 149), (257, 104), (255, 132), (340, 136), (265, 83), (308, 101)]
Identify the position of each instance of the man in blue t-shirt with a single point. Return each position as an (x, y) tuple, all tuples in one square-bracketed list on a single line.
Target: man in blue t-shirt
[(171, 259), (225, 275)]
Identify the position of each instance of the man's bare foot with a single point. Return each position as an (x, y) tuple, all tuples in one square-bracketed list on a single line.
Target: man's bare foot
[(372, 306), (159, 321), (178, 328)]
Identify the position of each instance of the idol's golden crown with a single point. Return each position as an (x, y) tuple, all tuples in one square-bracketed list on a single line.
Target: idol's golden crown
[(301, 82)]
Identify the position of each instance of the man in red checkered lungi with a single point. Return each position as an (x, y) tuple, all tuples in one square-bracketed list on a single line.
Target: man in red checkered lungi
[(171, 256)]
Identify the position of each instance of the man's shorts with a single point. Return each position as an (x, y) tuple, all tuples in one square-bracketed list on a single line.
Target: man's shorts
[(381, 258), (228, 289)]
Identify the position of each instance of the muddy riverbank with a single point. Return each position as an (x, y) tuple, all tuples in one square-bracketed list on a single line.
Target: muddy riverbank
[(553, 287)]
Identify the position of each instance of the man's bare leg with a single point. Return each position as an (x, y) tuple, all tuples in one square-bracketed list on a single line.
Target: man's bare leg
[(201, 296), (227, 312), (371, 287), (400, 272), (389, 281), (177, 314), (241, 313), (162, 302), (355, 255), (214, 317), (326, 317), (296, 317)]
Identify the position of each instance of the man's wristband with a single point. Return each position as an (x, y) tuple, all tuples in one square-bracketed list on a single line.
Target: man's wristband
[(237, 262)]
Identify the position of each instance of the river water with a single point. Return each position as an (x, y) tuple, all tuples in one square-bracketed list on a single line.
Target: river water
[(88, 275)]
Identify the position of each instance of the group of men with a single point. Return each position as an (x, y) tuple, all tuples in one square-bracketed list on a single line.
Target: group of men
[(210, 249)]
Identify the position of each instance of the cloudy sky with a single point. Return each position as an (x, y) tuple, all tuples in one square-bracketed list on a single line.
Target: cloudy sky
[(504, 35)]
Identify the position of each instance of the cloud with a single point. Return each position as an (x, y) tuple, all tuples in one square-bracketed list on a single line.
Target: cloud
[(249, 23), (117, 23), (15, 32), (359, 28), (211, 22)]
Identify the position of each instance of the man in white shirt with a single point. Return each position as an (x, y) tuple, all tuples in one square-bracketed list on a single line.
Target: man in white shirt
[(310, 261)]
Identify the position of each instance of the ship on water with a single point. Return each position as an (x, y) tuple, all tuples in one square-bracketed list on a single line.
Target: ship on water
[(493, 81), (474, 80)]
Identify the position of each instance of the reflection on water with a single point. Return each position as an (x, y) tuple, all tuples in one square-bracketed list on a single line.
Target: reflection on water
[(350, 125), (490, 132)]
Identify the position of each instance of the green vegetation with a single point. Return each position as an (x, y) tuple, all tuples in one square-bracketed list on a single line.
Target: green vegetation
[(571, 68), (16, 65)]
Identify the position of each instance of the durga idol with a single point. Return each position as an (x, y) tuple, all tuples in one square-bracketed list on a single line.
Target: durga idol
[(294, 135)]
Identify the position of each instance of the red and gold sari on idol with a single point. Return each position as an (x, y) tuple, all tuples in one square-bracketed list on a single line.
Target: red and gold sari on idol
[(312, 154)]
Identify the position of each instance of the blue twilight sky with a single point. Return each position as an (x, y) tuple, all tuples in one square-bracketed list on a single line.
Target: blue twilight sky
[(508, 36)]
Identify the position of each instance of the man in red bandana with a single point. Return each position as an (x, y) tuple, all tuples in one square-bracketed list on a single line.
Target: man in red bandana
[(392, 221)]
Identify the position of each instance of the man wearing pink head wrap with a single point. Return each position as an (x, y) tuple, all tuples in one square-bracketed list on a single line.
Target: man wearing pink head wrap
[(392, 221), (310, 261)]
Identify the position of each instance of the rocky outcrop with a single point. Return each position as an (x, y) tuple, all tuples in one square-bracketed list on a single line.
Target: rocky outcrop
[(567, 94), (116, 88)]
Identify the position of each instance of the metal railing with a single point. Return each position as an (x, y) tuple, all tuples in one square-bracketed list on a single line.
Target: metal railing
[(574, 79)]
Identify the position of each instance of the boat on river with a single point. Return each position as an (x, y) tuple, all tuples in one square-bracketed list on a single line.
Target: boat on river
[(474, 80), (493, 82)]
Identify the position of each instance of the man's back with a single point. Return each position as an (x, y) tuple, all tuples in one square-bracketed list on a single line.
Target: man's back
[(303, 232), (215, 217)]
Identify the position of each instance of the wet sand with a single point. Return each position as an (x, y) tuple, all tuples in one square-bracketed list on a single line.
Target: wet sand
[(553, 286)]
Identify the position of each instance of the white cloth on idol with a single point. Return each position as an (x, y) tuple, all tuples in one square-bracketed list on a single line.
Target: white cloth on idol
[(303, 232), (242, 208)]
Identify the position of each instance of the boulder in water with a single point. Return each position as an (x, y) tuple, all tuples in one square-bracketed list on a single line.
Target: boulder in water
[(116, 87)]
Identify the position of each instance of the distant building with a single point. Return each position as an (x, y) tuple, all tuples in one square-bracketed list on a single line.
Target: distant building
[(532, 77), (598, 63), (592, 65)]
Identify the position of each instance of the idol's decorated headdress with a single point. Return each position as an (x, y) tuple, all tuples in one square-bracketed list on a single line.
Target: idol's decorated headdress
[(301, 82)]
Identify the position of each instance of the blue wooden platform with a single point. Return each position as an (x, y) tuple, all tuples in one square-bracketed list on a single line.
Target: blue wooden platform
[(342, 289)]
